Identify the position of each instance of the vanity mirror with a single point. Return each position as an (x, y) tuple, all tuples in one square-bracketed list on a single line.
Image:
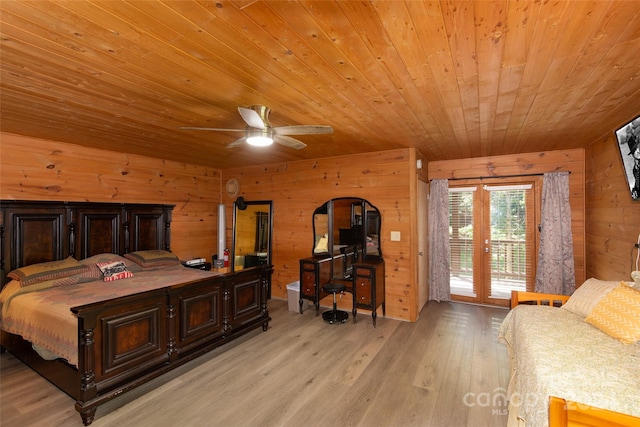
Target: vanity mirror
[(346, 250), (344, 222), (252, 228)]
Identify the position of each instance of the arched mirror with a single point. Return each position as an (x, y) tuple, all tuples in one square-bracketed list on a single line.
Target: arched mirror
[(252, 228), (347, 229)]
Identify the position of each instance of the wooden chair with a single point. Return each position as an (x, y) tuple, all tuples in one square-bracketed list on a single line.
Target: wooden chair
[(563, 413)]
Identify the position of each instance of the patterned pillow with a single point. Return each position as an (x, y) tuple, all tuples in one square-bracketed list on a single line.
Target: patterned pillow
[(585, 298), (153, 258), (77, 279), (114, 271), (618, 314), (37, 273)]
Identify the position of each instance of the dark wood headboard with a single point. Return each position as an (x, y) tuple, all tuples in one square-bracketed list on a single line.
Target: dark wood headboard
[(38, 231)]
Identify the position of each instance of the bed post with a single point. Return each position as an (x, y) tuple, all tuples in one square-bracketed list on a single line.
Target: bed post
[(125, 224), (3, 274), (226, 300), (265, 278), (171, 330), (86, 368), (72, 231), (167, 227)]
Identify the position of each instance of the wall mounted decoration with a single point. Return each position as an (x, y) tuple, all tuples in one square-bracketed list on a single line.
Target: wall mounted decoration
[(628, 137)]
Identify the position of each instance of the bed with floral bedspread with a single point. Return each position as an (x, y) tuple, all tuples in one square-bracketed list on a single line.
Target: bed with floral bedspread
[(41, 313), (555, 352)]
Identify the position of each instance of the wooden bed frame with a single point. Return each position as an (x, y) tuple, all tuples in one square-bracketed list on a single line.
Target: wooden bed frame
[(564, 413), (164, 327), (521, 297)]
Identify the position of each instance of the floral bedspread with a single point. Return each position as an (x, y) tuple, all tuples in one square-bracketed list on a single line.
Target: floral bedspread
[(43, 316), (554, 352)]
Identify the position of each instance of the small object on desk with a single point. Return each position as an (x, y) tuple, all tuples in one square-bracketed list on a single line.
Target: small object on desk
[(226, 257), (201, 264)]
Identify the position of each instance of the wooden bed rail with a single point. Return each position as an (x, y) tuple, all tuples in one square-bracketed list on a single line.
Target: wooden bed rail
[(563, 413), (520, 297)]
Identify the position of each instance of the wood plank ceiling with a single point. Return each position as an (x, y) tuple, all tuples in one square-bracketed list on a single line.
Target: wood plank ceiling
[(454, 79)]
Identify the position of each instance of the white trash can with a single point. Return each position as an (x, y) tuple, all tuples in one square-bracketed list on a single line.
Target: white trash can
[(293, 297)]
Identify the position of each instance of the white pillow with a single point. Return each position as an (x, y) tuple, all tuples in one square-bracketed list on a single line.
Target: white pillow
[(588, 295)]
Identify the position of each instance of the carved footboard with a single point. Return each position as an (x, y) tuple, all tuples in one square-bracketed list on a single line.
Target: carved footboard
[(121, 341), (128, 341)]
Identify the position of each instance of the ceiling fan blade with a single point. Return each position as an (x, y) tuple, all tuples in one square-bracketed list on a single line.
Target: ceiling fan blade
[(236, 142), (216, 129), (302, 130), (255, 119), (289, 142)]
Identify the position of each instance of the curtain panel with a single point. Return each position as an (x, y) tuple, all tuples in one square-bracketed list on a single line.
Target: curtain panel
[(556, 271), (439, 276)]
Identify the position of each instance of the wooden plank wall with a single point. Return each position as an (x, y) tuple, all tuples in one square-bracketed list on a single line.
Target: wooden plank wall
[(613, 218), (531, 163), (35, 169), (386, 179)]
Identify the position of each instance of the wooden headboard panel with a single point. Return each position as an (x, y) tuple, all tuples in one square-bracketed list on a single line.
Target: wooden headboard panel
[(34, 231)]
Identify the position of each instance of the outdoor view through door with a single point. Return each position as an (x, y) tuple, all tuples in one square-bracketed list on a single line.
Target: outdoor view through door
[(492, 241)]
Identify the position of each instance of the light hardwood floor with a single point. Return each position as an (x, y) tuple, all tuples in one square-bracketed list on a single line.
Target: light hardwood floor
[(444, 370)]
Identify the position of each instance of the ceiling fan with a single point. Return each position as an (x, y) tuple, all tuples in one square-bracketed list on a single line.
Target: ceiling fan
[(259, 131)]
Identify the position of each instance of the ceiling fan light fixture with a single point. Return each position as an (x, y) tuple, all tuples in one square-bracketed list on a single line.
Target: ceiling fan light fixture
[(260, 137)]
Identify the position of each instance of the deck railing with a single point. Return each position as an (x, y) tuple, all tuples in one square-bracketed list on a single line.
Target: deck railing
[(508, 258)]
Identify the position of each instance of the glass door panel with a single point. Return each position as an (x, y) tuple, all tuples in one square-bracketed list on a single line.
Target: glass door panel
[(492, 241), (461, 243), (511, 241)]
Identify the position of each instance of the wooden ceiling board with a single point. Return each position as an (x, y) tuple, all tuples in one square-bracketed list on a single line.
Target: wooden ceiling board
[(433, 74), (99, 89), (453, 79), (408, 69), (355, 86)]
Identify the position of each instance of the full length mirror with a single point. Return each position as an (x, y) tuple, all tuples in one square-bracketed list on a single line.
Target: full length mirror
[(252, 228), (348, 229)]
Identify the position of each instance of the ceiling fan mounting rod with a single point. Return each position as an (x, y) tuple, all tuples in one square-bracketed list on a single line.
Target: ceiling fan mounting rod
[(263, 112)]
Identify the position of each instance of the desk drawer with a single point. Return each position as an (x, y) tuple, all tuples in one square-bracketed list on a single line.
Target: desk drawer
[(308, 282), (363, 289)]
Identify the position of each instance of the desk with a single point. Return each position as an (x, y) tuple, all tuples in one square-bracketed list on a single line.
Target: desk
[(367, 283)]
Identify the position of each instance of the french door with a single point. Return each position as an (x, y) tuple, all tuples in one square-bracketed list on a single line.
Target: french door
[(493, 239)]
